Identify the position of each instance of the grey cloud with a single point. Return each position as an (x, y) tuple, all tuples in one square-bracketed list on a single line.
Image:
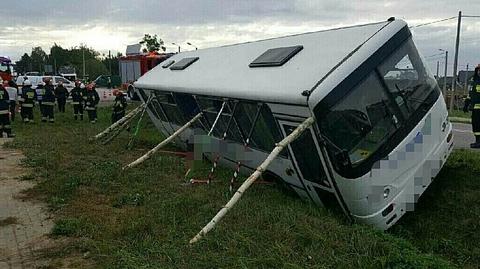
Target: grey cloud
[(217, 22)]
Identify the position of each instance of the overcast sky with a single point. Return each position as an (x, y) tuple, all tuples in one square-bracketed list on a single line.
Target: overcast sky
[(113, 24)]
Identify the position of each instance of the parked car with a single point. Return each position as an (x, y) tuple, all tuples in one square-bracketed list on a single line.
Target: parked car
[(102, 81), (55, 80)]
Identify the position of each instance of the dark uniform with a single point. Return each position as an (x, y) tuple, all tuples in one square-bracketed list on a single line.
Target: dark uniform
[(119, 107), (12, 86), (49, 104), (91, 101), (40, 91), (475, 104), (5, 113), (28, 100), (62, 94), (77, 94)]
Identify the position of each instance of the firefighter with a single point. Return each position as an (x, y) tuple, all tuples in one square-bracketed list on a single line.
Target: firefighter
[(91, 101), (12, 90), (28, 100), (4, 112), (77, 94), (62, 94), (49, 102), (119, 106), (475, 103), (40, 93)]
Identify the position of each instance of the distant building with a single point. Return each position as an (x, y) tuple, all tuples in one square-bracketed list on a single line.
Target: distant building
[(465, 74), (460, 79)]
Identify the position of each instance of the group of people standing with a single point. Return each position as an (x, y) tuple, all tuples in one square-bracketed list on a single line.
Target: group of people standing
[(46, 95)]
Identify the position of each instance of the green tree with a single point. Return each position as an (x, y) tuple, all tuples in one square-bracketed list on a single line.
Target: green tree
[(24, 64), (95, 68), (152, 43), (39, 58), (113, 63), (58, 57)]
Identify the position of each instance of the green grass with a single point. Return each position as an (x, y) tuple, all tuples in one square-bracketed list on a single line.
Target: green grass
[(145, 217), (460, 114)]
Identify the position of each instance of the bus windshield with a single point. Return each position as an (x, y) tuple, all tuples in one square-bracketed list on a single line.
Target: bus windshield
[(5, 67), (390, 100)]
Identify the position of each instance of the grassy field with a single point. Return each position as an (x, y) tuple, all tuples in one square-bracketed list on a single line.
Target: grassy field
[(460, 114), (145, 217)]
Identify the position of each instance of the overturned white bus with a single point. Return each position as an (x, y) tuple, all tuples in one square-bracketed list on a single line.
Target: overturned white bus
[(381, 131)]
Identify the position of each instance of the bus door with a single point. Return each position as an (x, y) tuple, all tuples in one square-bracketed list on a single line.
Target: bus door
[(310, 166)]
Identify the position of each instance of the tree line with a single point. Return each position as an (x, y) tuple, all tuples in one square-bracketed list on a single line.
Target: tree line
[(95, 63)]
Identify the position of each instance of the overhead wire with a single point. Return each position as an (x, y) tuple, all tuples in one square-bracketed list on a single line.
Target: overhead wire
[(432, 22)]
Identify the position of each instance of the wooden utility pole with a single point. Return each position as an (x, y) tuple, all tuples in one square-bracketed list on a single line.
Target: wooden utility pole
[(445, 76), (83, 59), (110, 62), (438, 68), (465, 89), (455, 63)]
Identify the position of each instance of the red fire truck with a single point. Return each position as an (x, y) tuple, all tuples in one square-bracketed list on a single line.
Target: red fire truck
[(135, 64), (6, 68)]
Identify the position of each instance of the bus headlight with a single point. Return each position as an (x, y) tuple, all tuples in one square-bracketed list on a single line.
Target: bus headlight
[(386, 192)]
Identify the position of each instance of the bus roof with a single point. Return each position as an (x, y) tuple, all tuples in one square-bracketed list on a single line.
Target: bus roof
[(225, 71), (5, 59)]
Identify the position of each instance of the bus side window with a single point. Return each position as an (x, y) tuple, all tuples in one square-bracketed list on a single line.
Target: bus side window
[(173, 113), (152, 105), (266, 131)]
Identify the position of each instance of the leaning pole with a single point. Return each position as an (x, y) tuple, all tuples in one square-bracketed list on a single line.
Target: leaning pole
[(253, 177)]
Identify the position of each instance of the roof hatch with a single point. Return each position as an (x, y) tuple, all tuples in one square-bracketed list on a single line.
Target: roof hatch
[(276, 56), (183, 63), (168, 63)]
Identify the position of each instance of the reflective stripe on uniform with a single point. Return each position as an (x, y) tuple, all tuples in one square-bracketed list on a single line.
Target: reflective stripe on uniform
[(6, 126), (476, 133), (48, 103), (27, 105), (477, 88), (3, 112), (476, 106), (75, 103), (90, 108)]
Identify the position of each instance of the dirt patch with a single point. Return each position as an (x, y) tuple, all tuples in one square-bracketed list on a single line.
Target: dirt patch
[(24, 223), (8, 221)]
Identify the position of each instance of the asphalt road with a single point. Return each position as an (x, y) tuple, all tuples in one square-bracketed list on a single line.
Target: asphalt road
[(462, 135)]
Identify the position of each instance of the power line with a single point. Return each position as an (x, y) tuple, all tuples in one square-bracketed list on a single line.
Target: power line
[(428, 23), (435, 55)]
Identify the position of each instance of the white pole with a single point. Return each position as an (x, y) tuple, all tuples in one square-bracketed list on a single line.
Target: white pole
[(217, 118), (253, 177), (149, 154), (117, 124)]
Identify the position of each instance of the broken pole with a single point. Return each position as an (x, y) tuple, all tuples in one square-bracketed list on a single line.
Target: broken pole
[(120, 122), (149, 154), (250, 180)]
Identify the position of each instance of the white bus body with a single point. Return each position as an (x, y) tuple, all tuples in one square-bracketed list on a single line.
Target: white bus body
[(381, 133)]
